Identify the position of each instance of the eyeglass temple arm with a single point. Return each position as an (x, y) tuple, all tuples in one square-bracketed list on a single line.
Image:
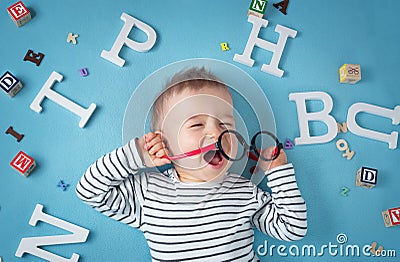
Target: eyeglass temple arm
[(192, 153)]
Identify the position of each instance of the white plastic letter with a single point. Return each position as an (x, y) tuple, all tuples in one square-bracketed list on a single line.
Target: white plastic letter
[(122, 39), (323, 116), (46, 91), (276, 49), (31, 245), (394, 115)]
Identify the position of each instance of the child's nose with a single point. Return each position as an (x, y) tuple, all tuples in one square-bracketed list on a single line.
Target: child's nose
[(214, 132)]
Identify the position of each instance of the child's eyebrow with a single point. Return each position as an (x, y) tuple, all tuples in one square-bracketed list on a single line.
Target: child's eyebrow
[(224, 118), (193, 117)]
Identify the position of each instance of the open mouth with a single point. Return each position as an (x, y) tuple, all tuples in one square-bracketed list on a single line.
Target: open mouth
[(213, 158)]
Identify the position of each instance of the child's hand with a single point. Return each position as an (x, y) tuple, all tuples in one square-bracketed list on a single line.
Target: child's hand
[(267, 153), (153, 150)]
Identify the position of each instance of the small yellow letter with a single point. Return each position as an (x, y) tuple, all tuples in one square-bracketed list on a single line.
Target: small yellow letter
[(224, 46)]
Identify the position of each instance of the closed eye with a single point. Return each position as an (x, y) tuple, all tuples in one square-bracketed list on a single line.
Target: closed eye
[(196, 125)]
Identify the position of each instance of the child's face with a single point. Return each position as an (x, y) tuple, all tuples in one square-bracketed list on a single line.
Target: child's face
[(195, 119)]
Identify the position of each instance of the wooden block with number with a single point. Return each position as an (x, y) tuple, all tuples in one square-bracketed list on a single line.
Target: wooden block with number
[(10, 84), (366, 177), (19, 13), (391, 217), (350, 73), (23, 163)]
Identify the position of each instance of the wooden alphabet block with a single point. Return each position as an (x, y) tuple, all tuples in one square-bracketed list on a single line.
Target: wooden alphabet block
[(19, 13), (10, 84), (391, 217), (394, 214), (366, 177), (350, 73), (257, 8), (23, 163)]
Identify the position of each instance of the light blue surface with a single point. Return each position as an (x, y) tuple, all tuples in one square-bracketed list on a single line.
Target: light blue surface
[(329, 35)]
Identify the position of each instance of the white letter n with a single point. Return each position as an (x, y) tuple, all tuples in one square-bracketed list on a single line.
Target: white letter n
[(276, 49), (122, 39), (31, 245)]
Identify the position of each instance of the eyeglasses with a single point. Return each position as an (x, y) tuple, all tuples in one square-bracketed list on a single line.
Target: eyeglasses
[(233, 146)]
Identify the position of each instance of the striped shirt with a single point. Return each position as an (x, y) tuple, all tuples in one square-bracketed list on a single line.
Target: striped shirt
[(211, 221)]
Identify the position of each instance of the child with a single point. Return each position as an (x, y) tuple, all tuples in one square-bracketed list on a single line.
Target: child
[(197, 210)]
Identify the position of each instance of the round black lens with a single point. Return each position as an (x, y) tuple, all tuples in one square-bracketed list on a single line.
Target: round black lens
[(265, 145), (232, 145)]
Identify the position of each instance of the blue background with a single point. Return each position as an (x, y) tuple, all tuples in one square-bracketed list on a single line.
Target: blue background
[(329, 35)]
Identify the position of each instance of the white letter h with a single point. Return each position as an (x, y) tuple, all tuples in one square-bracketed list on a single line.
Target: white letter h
[(276, 49)]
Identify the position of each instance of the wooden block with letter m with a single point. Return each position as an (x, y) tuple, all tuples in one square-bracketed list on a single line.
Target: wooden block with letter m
[(23, 163)]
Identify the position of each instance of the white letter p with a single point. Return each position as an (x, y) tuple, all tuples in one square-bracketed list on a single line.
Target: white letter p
[(122, 39)]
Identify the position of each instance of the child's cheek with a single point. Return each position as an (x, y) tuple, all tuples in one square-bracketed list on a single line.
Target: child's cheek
[(188, 141), (180, 142)]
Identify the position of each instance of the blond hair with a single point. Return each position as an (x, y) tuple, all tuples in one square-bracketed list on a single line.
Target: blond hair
[(188, 79)]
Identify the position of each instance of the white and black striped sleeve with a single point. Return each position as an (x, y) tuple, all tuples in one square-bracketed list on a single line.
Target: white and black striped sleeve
[(115, 186), (283, 213)]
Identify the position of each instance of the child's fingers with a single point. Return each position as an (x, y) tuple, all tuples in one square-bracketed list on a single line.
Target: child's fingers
[(154, 140), (161, 153), (270, 152), (158, 159), (162, 161), (282, 156), (265, 153), (149, 136), (155, 148)]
